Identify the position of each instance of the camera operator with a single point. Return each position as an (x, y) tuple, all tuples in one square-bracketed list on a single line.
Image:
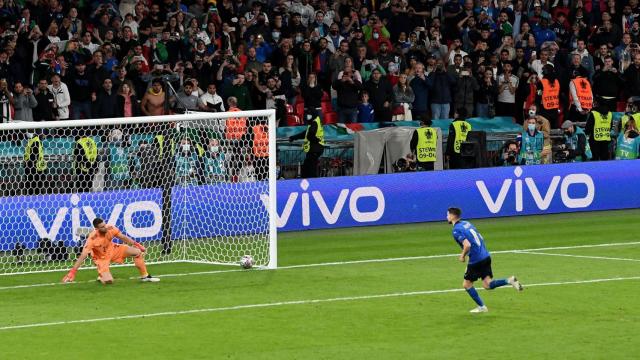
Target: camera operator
[(628, 145), (510, 152), (575, 147)]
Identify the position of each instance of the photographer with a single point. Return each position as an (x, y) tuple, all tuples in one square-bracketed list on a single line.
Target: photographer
[(628, 146), (510, 152), (575, 147)]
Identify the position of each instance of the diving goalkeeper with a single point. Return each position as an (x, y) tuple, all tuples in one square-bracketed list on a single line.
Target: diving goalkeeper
[(104, 251)]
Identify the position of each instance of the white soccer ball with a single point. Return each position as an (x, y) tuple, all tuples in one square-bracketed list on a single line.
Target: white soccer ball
[(247, 262)]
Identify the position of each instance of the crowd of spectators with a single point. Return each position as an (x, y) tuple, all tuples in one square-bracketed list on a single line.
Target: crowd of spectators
[(373, 59)]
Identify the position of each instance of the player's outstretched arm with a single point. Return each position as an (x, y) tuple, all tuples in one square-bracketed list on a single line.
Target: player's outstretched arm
[(131, 242), (466, 247), (71, 275)]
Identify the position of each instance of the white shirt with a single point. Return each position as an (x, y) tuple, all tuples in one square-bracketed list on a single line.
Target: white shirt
[(537, 66), (62, 99), (505, 96), (212, 99), (454, 53), (91, 47)]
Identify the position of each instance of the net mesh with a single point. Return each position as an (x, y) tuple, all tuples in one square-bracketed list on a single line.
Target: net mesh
[(195, 189)]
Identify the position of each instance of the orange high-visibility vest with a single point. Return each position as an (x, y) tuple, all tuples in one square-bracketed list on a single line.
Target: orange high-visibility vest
[(550, 94), (583, 91), (260, 141), (236, 128)]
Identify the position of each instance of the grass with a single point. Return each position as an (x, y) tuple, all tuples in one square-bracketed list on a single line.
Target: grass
[(359, 309)]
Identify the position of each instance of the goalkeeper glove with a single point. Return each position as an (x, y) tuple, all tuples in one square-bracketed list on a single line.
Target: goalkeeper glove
[(70, 277), (139, 246)]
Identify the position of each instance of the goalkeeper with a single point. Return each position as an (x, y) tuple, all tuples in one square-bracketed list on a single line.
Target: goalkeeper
[(104, 252)]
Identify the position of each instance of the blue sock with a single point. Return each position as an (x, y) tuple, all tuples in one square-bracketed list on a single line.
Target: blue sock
[(474, 295), (497, 283)]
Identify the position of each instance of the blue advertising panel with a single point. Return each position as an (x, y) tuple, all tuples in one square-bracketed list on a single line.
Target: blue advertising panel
[(26, 219), (489, 192)]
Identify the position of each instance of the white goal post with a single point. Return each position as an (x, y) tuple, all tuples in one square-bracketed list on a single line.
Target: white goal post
[(198, 187)]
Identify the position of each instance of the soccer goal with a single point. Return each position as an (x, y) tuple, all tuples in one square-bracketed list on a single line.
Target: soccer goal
[(198, 187)]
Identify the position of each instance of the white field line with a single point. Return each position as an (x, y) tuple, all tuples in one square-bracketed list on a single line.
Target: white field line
[(292, 302), (579, 256), (338, 263)]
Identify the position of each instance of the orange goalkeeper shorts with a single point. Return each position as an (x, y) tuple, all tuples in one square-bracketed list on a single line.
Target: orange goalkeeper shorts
[(117, 255)]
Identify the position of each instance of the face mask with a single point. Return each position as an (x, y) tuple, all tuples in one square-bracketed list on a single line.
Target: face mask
[(299, 39), (531, 127), (186, 147), (532, 113), (213, 149)]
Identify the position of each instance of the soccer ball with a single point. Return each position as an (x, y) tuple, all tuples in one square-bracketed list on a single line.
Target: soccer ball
[(247, 262)]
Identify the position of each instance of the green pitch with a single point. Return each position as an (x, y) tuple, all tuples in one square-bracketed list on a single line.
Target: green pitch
[(368, 293)]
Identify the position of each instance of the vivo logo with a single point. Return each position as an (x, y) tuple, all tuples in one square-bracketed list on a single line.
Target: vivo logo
[(542, 201), (333, 213), (118, 210)]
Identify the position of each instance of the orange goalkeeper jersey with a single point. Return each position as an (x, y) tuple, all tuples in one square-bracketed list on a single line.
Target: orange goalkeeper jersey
[(102, 246)]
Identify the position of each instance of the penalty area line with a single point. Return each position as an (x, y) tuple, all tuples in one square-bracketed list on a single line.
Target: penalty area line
[(290, 303)]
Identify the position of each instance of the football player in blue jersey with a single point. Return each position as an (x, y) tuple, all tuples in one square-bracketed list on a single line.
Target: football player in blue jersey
[(479, 266)]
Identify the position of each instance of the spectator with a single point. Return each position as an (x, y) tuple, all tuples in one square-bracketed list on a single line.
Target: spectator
[(23, 102), (311, 92), (366, 114), (441, 85), (153, 101), (348, 90), (420, 88), (211, 101), (61, 98), (105, 101), (240, 91), (403, 96), (381, 93), (186, 100), (81, 87), (487, 95), (290, 77), (507, 85), (466, 86), (632, 77), (607, 84), (44, 110), (128, 104), (538, 64)]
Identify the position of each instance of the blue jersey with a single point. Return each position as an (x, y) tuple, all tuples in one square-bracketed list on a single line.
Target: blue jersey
[(465, 230)]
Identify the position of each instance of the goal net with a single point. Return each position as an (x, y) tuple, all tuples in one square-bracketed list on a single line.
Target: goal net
[(197, 187)]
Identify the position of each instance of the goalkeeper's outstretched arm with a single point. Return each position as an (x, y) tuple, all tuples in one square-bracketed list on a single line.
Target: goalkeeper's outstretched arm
[(71, 275), (131, 242)]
